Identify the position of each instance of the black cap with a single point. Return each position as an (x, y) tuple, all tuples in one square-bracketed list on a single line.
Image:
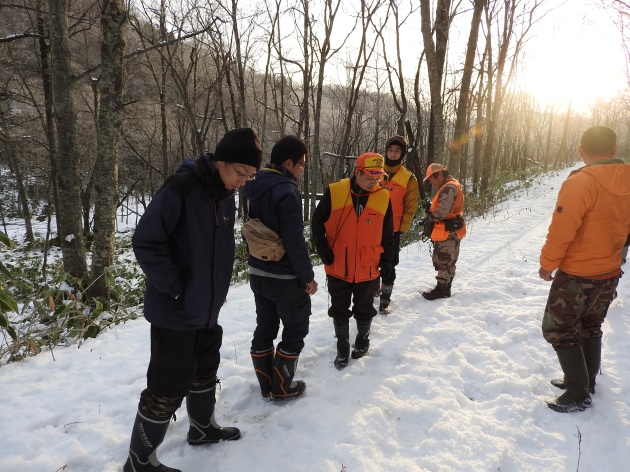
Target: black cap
[(240, 145)]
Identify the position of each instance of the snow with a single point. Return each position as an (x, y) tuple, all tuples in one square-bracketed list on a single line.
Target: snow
[(450, 385)]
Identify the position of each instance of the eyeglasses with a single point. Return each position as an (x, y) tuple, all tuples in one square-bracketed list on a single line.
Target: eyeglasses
[(245, 177), (303, 164), (435, 175)]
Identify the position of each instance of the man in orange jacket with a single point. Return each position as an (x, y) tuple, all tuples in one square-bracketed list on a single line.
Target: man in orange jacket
[(353, 231), (447, 227), (588, 230)]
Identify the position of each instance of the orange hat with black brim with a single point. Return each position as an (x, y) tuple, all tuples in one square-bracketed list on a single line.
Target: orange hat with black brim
[(432, 169)]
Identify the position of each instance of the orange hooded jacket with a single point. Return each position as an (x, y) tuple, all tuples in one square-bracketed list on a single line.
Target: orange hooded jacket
[(591, 222)]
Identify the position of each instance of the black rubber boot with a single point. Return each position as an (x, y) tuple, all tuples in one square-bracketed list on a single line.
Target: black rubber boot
[(263, 366), (440, 291), (448, 287), (203, 428), (362, 341), (385, 300), (342, 333), (284, 367), (147, 435), (576, 397), (592, 349)]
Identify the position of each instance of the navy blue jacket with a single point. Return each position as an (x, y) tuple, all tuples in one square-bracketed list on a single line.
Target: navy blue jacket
[(184, 244), (276, 200)]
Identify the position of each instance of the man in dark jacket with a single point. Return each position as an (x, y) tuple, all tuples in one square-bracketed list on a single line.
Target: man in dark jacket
[(184, 244), (353, 229), (281, 288)]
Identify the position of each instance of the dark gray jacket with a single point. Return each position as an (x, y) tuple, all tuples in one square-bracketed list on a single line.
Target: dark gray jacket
[(275, 199), (184, 244)]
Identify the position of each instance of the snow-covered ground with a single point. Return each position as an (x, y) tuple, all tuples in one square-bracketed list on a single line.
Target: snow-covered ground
[(449, 385)]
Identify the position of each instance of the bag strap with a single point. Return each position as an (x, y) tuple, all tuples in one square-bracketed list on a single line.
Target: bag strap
[(246, 216)]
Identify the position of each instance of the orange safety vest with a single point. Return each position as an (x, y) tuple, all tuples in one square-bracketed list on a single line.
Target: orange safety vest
[(397, 189), (355, 240), (439, 232)]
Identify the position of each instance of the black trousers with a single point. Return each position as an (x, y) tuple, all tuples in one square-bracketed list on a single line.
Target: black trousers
[(342, 293), (178, 358), (278, 300), (395, 260)]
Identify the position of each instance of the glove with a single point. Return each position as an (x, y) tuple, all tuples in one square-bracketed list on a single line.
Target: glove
[(325, 254), (327, 257), (385, 269), (427, 227), (426, 205)]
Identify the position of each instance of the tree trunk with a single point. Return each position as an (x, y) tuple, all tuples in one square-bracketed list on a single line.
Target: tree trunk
[(460, 134), (240, 80), (14, 165), (435, 52), (113, 19), (305, 117), (330, 13), (357, 74), (68, 176), (46, 73), (561, 157)]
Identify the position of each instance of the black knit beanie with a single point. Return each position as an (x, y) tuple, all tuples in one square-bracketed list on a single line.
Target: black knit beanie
[(398, 140), (240, 145)]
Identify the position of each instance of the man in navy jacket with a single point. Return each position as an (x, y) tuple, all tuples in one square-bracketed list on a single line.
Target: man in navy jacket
[(184, 244), (281, 288)]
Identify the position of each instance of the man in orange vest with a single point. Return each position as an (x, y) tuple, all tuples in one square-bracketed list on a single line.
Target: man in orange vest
[(403, 193), (353, 230), (448, 227)]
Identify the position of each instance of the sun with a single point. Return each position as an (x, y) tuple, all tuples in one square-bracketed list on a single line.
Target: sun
[(578, 59)]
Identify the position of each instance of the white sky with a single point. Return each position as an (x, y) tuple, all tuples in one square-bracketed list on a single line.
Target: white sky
[(575, 53), (449, 385)]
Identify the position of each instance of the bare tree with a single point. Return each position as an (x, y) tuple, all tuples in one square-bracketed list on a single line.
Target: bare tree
[(512, 22), (395, 74), (70, 230), (324, 52), (463, 106), (435, 52), (356, 73), (113, 20)]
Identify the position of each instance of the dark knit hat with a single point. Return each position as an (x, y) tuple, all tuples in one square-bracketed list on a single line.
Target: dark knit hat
[(400, 141), (240, 145)]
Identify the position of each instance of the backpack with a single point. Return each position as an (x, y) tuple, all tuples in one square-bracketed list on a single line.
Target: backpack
[(263, 242)]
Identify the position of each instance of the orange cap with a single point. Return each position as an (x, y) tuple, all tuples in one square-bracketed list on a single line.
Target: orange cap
[(371, 163), (432, 169)]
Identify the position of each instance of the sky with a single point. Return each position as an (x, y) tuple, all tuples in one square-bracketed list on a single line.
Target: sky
[(572, 52), (455, 384), (575, 52)]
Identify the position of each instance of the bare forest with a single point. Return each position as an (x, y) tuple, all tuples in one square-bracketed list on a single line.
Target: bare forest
[(100, 101)]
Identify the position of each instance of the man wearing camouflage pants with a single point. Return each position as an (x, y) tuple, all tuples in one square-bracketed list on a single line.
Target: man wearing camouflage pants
[(588, 230), (447, 227)]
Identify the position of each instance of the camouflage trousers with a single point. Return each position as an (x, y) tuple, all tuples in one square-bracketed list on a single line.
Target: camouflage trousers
[(576, 309), (445, 255)]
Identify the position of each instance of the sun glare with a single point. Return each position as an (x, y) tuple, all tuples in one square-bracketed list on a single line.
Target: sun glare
[(579, 59)]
